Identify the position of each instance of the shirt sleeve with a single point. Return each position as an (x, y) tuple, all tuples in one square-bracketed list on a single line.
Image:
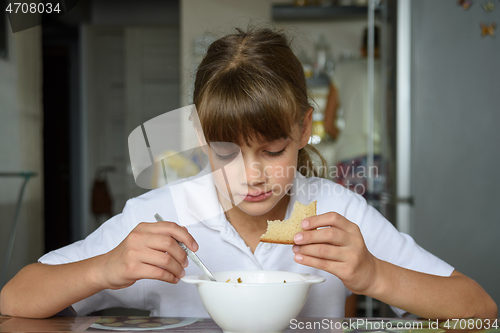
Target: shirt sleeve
[(385, 242), (109, 235)]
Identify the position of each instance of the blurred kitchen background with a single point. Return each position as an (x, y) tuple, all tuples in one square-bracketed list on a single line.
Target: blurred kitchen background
[(73, 89)]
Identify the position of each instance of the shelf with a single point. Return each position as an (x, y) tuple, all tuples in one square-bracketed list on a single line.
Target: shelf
[(290, 12)]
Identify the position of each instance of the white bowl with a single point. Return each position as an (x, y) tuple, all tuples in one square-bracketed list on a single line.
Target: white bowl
[(263, 302)]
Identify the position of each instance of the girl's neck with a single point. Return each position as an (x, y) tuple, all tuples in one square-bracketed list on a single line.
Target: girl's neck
[(251, 227)]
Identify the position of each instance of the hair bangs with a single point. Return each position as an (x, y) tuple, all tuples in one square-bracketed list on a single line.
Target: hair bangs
[(240, 106)]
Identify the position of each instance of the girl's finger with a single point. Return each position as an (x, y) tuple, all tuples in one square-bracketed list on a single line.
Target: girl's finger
[(156, 273), (322, 251), (329, 235), (166, 244), (174, 230), (330, 219), (164, 260), (323, 264)]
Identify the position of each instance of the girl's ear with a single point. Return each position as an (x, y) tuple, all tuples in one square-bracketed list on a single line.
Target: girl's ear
[(306, 128)]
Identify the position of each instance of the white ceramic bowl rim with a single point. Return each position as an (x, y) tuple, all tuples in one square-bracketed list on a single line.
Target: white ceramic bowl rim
[(305, 278)]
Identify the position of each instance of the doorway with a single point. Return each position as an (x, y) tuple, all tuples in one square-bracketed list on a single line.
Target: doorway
[(59, 46)]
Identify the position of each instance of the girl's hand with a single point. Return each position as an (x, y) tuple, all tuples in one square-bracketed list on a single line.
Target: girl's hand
[(150, 251), (338, 249)]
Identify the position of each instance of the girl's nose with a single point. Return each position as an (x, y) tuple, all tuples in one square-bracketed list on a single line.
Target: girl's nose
[(254, 173)]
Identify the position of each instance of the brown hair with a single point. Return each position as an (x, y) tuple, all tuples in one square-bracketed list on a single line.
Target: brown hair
[(251, 85)]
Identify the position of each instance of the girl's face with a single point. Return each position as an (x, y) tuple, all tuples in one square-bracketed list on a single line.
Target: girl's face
[(256, 177)]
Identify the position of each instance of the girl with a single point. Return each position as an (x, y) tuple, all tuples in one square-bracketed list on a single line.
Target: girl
[(250, 93)]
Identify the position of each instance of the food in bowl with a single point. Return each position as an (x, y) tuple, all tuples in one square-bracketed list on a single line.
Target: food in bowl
[(282, 232), (262, 302)]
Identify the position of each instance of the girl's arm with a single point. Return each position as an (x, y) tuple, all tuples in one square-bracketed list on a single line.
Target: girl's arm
[(150, 251), (340, 250), (431, 296), (40, 291)]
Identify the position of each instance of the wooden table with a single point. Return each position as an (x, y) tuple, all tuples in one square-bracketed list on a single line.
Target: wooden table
[(338, 325)]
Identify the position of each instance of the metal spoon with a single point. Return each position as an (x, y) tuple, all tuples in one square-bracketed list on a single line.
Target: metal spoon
[(191, 255)]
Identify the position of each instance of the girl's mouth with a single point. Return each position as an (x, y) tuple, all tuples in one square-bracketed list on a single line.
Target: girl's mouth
[(259, 197)]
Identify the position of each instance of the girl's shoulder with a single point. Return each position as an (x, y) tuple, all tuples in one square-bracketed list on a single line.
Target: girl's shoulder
[(316, 188), (157, 201), (329, 195)]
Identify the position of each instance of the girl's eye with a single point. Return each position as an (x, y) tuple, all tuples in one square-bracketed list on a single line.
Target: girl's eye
[(277, 153), (226, 157)]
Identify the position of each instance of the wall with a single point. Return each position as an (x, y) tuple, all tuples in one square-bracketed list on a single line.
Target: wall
[(21, 146), (455, 138)]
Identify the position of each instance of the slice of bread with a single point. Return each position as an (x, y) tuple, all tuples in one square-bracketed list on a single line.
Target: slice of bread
[(282, 232)]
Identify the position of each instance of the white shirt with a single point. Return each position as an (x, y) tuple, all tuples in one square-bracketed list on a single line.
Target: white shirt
[(222, 249)]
